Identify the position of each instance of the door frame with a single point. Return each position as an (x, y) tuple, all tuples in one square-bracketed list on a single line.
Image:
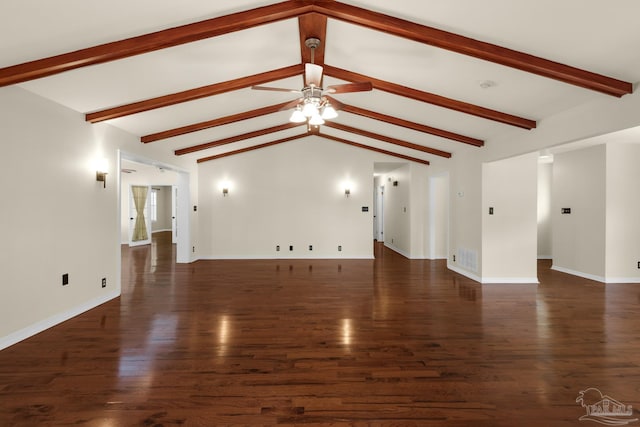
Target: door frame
[(183, 247)]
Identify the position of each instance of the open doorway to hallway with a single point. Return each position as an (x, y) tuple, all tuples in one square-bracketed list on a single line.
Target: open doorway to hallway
[(172, 201)]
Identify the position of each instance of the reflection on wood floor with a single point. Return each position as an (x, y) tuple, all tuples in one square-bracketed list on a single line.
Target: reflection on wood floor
[(389, 341)]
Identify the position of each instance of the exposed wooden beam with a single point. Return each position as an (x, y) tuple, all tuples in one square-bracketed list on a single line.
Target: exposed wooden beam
[(388, 139), (213, 123), (153, 41), (378, 150), (255, 147), (289, 9), (431, 98), (236, 138), (193, 94), (406, 124), (475, 48)]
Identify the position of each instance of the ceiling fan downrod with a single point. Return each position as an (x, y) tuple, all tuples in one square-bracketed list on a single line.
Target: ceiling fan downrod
[(312, 43)]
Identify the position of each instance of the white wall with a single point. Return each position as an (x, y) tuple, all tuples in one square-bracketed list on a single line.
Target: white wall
[(465, 235), (579, 182), (57, 218), (439, 216), (509, 235), (606, 115), (545, 171), (623, 213), (288, 194)]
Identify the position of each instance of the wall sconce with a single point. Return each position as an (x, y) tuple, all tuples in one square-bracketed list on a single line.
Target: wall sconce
[(347, 192), (101, 172), (225, 192)]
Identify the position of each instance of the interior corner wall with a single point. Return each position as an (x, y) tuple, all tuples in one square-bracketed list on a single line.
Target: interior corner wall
[(509, 220), (579, 182), (397, 210), (59, 219), (622, 213), (288, 195), (545, 173)]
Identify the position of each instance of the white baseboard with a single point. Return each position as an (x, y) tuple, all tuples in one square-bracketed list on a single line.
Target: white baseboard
[(579, 273), (596, 278), (262, 257), (510, 280), (545, 257), (463, 272), (398, 250), (56, 319)]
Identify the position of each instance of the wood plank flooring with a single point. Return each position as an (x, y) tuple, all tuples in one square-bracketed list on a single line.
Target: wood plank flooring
[(390, 342)]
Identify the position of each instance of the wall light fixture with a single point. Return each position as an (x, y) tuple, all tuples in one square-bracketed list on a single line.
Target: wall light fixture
[(101, 172)]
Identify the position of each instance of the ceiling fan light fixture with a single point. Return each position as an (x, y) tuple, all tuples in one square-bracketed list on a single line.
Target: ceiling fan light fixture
[(310, 109), (328, 112), (316, 120), (297, 116)]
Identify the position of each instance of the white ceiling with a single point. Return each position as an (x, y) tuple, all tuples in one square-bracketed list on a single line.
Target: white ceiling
[(598, 36)]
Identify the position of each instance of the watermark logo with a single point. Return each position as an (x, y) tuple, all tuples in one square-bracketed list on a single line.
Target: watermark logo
[(603, 409)]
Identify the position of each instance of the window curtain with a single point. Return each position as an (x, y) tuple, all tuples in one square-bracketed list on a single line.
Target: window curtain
[(140, 200)]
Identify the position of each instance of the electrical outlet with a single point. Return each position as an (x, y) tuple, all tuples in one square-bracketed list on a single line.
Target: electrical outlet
[(104, 282), (454, 258), (193, 249), (638, 264), (278, 248), (340, 248), (290, 247), (310, 247), (65, 279)]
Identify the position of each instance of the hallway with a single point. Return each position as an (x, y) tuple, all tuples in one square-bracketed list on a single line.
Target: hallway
[(389, 341)]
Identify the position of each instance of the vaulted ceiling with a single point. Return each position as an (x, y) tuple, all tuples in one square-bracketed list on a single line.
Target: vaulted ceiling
[(447, 75)]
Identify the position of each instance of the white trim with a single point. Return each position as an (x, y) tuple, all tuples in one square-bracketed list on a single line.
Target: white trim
[(579, 274), (463, 272), (623, 280), (54, 320), (510, 280), (395, 249), (283, 258), (545, 257)]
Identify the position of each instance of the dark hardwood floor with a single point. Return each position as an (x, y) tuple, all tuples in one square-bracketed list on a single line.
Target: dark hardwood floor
[(326, 342)]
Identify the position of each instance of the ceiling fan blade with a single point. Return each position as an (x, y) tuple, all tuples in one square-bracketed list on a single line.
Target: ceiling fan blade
[(275, 89), (312, 74), (350, 87)]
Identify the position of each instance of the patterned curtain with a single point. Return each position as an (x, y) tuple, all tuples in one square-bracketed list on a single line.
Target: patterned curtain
[(140, 200)]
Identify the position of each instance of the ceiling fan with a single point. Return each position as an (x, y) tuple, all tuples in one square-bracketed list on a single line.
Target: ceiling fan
[(314, 107)]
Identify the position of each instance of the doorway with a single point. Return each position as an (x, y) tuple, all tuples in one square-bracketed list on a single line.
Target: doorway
[(152, 173), (378, 211), (140, 197)]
